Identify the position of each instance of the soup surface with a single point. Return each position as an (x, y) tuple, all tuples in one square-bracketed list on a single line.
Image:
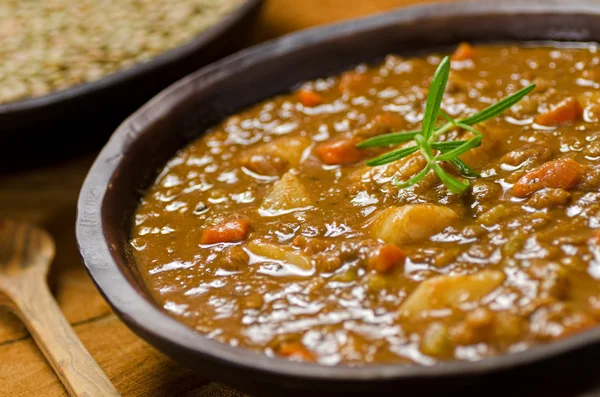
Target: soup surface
[(269, 231)]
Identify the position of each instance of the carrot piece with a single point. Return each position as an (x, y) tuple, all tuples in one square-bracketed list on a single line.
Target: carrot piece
[(309, 98), (350, 81), (561, 173), (341, 151), (567, 111), (295, 351), (463, 52), (384, 259), (230, 231)]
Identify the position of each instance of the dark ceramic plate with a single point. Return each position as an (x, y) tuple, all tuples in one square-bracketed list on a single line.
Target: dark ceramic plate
[(134, 85), (148, 138)]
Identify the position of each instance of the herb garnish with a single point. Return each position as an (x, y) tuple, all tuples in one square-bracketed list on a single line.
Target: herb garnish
[(425, 139)]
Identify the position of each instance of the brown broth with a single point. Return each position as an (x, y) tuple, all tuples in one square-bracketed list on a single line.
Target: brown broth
[(302, 283)]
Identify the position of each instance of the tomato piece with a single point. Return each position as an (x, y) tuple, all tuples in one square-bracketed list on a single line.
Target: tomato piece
[(567, 111), (385, 258), (342, 151), (309, 98), (230, 231), (561, 173)]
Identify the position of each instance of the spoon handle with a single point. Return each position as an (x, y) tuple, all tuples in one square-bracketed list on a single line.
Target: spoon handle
[(53, 334)]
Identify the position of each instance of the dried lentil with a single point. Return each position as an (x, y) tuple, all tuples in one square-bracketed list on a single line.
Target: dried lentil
[(51, 45)]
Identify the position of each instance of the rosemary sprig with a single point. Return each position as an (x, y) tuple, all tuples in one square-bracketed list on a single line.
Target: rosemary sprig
[(425, 138)]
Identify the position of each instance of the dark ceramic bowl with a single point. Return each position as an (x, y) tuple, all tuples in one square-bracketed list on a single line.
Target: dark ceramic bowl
[(127, 87), (147, 139)]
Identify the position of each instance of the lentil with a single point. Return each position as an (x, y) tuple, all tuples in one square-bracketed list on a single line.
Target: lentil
[(52, 45)]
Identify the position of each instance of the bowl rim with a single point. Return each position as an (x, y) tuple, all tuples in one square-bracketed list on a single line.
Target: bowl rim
[(194, 44), (138, 312)]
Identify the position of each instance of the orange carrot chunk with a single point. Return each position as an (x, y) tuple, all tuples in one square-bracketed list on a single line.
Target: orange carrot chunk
[(567, 111), (463, 52), (341, 151), (309, 98), (384, 259), (230, 231), (350, 81), (561, 173), (295, 351)]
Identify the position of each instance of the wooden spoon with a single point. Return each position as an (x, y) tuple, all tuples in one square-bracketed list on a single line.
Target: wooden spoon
[(25, 256)]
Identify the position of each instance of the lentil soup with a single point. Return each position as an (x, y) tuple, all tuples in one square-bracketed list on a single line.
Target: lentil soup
[(269, 232)]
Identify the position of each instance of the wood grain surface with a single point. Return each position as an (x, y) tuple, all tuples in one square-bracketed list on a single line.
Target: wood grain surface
[(48, 195), (26, 253)]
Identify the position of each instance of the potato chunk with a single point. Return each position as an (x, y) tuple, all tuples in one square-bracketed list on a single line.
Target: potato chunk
[(442, 292), (286, 195), (411, 223), (280, 253)]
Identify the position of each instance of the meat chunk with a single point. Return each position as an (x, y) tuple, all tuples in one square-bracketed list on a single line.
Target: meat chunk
[(554, 279), (531, 152), (275, 157), (548, 198), (590, 179), (286, 195), (442, 292), (562, 173), (233, 258), (481, 155), (381, 124), (482, 325), (411, 223), (367, 178)]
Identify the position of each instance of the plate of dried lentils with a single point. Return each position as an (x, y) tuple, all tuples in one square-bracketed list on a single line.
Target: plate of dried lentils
[(60, 58)]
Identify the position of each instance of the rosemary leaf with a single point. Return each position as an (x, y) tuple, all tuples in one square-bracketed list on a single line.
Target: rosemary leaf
[(454, 185), (392, 156), (448, 150), (499, 107), (445, 146), (388, 139), (414, 180), (434, 98), (460, 165), (465, 147), (447, 116), (464, 169)]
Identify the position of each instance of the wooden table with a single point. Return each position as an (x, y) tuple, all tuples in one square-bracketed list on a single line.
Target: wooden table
[(48, 196)]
